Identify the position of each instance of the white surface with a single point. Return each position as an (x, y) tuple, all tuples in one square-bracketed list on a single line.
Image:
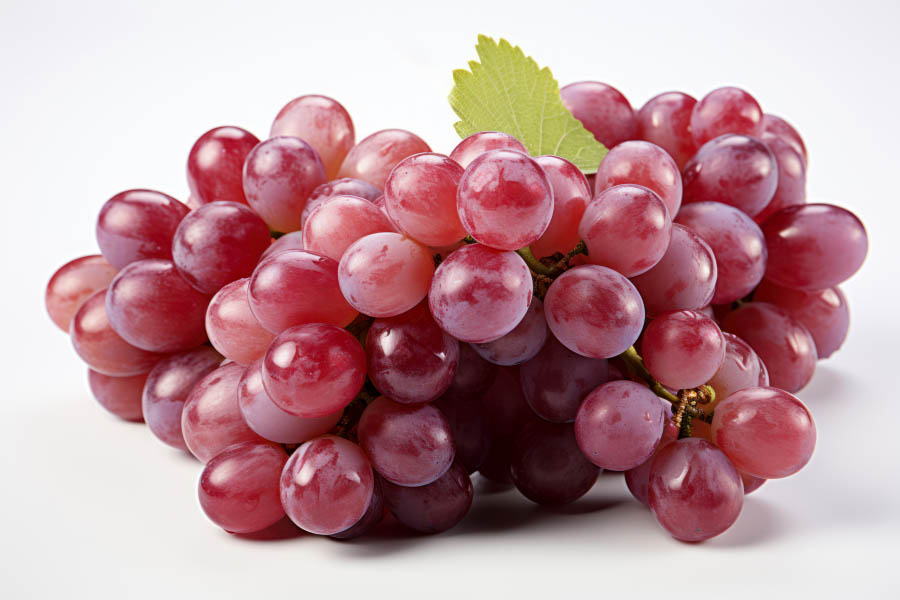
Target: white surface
[(100, 97)]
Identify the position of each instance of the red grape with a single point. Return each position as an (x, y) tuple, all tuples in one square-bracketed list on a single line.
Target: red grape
[(683, 349), (322, 123), (645, 164), (289, 241), (638, 478), (373, 158), (520, 344), (778, 127), (231, 326), (468, 428), (339, 222), (741, 368), (346, 186), (791, 189), (726, 110), (602, 109), (72, 284), (435, 507), (665, 120), (484, 141), (571, 195), (216, 162), (119, 395)]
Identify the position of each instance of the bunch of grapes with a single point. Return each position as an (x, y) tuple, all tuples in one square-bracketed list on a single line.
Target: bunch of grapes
[(339, 331)]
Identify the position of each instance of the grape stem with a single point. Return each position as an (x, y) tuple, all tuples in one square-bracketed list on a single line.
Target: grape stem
[(536, 266)]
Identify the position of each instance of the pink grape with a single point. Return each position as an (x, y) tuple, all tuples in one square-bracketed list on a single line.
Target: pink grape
[(420, 199), (167, 388), (373, 158), (791, 189), (72, 284), (741, 368), (594, 311), (686, 475), (321, 122), (294, 287), (520, 344), (153, 307), (765, 431), (215, 164), (327, 485), (665, 120), (814, 246), (732, 169), (602, 109), (479, 294), (385, 274), (289, 241), (239, 490), (751, 483), (121, 396), (268, 420), (314, 370), (547, 465), (737, 242), (619, 425), (726, 110), (683, 349), (231, 326), (473, 377), (824, 313), (218, 243), (645, 164), (683, 279), (556, 380), (638, 478), (408, 445), (278, 177), (346, 186), (468, 428), (484, 141), (98, 344), (626, 228), (505, 200), (778, 127), (372, 517), (138, 224), (782, 343), (340, 221), (435, 507), (571, 195), (211, 420), (410, 359)]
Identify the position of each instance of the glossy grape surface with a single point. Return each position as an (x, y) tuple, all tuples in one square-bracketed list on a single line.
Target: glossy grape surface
[(740, 369), (778, 127), (665, 120), (602, 109), (72, 284), (372, 517), (289, 241), (121, 396), (321, 122), (138, 224), (520, 344), (484, 141), (638, 478), (373, 158), (726, 110), (468, 428), (571, 195), (340, 221), (231, 326), (683, 349), (791, 189), (346, 186), (474, 375), (435, 507), (645, 164), (216, 163)]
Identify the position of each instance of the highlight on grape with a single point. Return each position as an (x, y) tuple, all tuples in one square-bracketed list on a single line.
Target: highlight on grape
[(342, 330)]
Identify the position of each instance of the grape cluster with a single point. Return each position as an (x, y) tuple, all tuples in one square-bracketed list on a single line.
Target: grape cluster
[(342, 330)]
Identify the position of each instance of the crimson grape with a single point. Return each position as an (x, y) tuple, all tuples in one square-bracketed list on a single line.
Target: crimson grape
[(683, 349), (571, 195), (638, 478), (72, 284), (602, 109), (726, 110), (346, 186), (645, 164), (373, 158), (321, 122), (665, 120), (435, 507), (231, 326), (340, 221), (520, 344), (741, 368), (778, 127), (216, 162), (289, 241), (484, 141), (119, 395), (791, 189)]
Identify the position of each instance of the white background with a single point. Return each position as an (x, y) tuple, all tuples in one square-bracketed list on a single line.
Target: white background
[(100, 97)]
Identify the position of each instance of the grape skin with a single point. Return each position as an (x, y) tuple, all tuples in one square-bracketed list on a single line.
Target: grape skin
[(72, 284), (520, 344), (791, 189), (571, 195), (323, 123), (665, 120), (121, 396), (346, 186), (373, 158), (638, 478), (216, 163), (484, 141), (645, 164), (231, 326), (468, 428), (741, 368), (435, 507), (777, 127), (726, 110), (602, 109), (683, 349), (340, 221)]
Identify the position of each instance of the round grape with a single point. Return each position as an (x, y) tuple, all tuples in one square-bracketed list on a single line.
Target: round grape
[(484, 141), (72, 284), (665, 120), (216, 162), (373, 158), (602, 109), (644, 164), (683, 349), (726, 110), (323, 123)]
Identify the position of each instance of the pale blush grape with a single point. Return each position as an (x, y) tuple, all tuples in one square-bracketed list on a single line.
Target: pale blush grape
[(409, 445), (435, 507), (520, 344), (420, 198), (278, 177), (626, 228), (98, 345), (138, 224), (594, 311), (294, 287), (211, 420), (216, 162), (479, 294), (289, 241), (239, 490), (556, 380), (167, 388), (737, 242), (619, 425), (683, 279), (732, 169), (814, 246), (778, 127), (766, 432), (824, 313), (373, 158), (314, 370), (791, 189), (548, 467), (782, 343), (505, 200), (602, 109), (645, 164), (484, 141), (321, 122), (385, 274), (327, 485), (338, 222), (231, 326), (638, 478), (468, 428), (410, 359), (268, 420), (217, 244), (741, 368), (726, 110), (72, 284), (121, 396), (683, 349), (665, 120), (571, 194), (346, 186), (153, 307), (689, 474)]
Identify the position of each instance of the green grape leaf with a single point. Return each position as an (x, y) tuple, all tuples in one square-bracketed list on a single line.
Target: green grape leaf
[(507, 91)]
